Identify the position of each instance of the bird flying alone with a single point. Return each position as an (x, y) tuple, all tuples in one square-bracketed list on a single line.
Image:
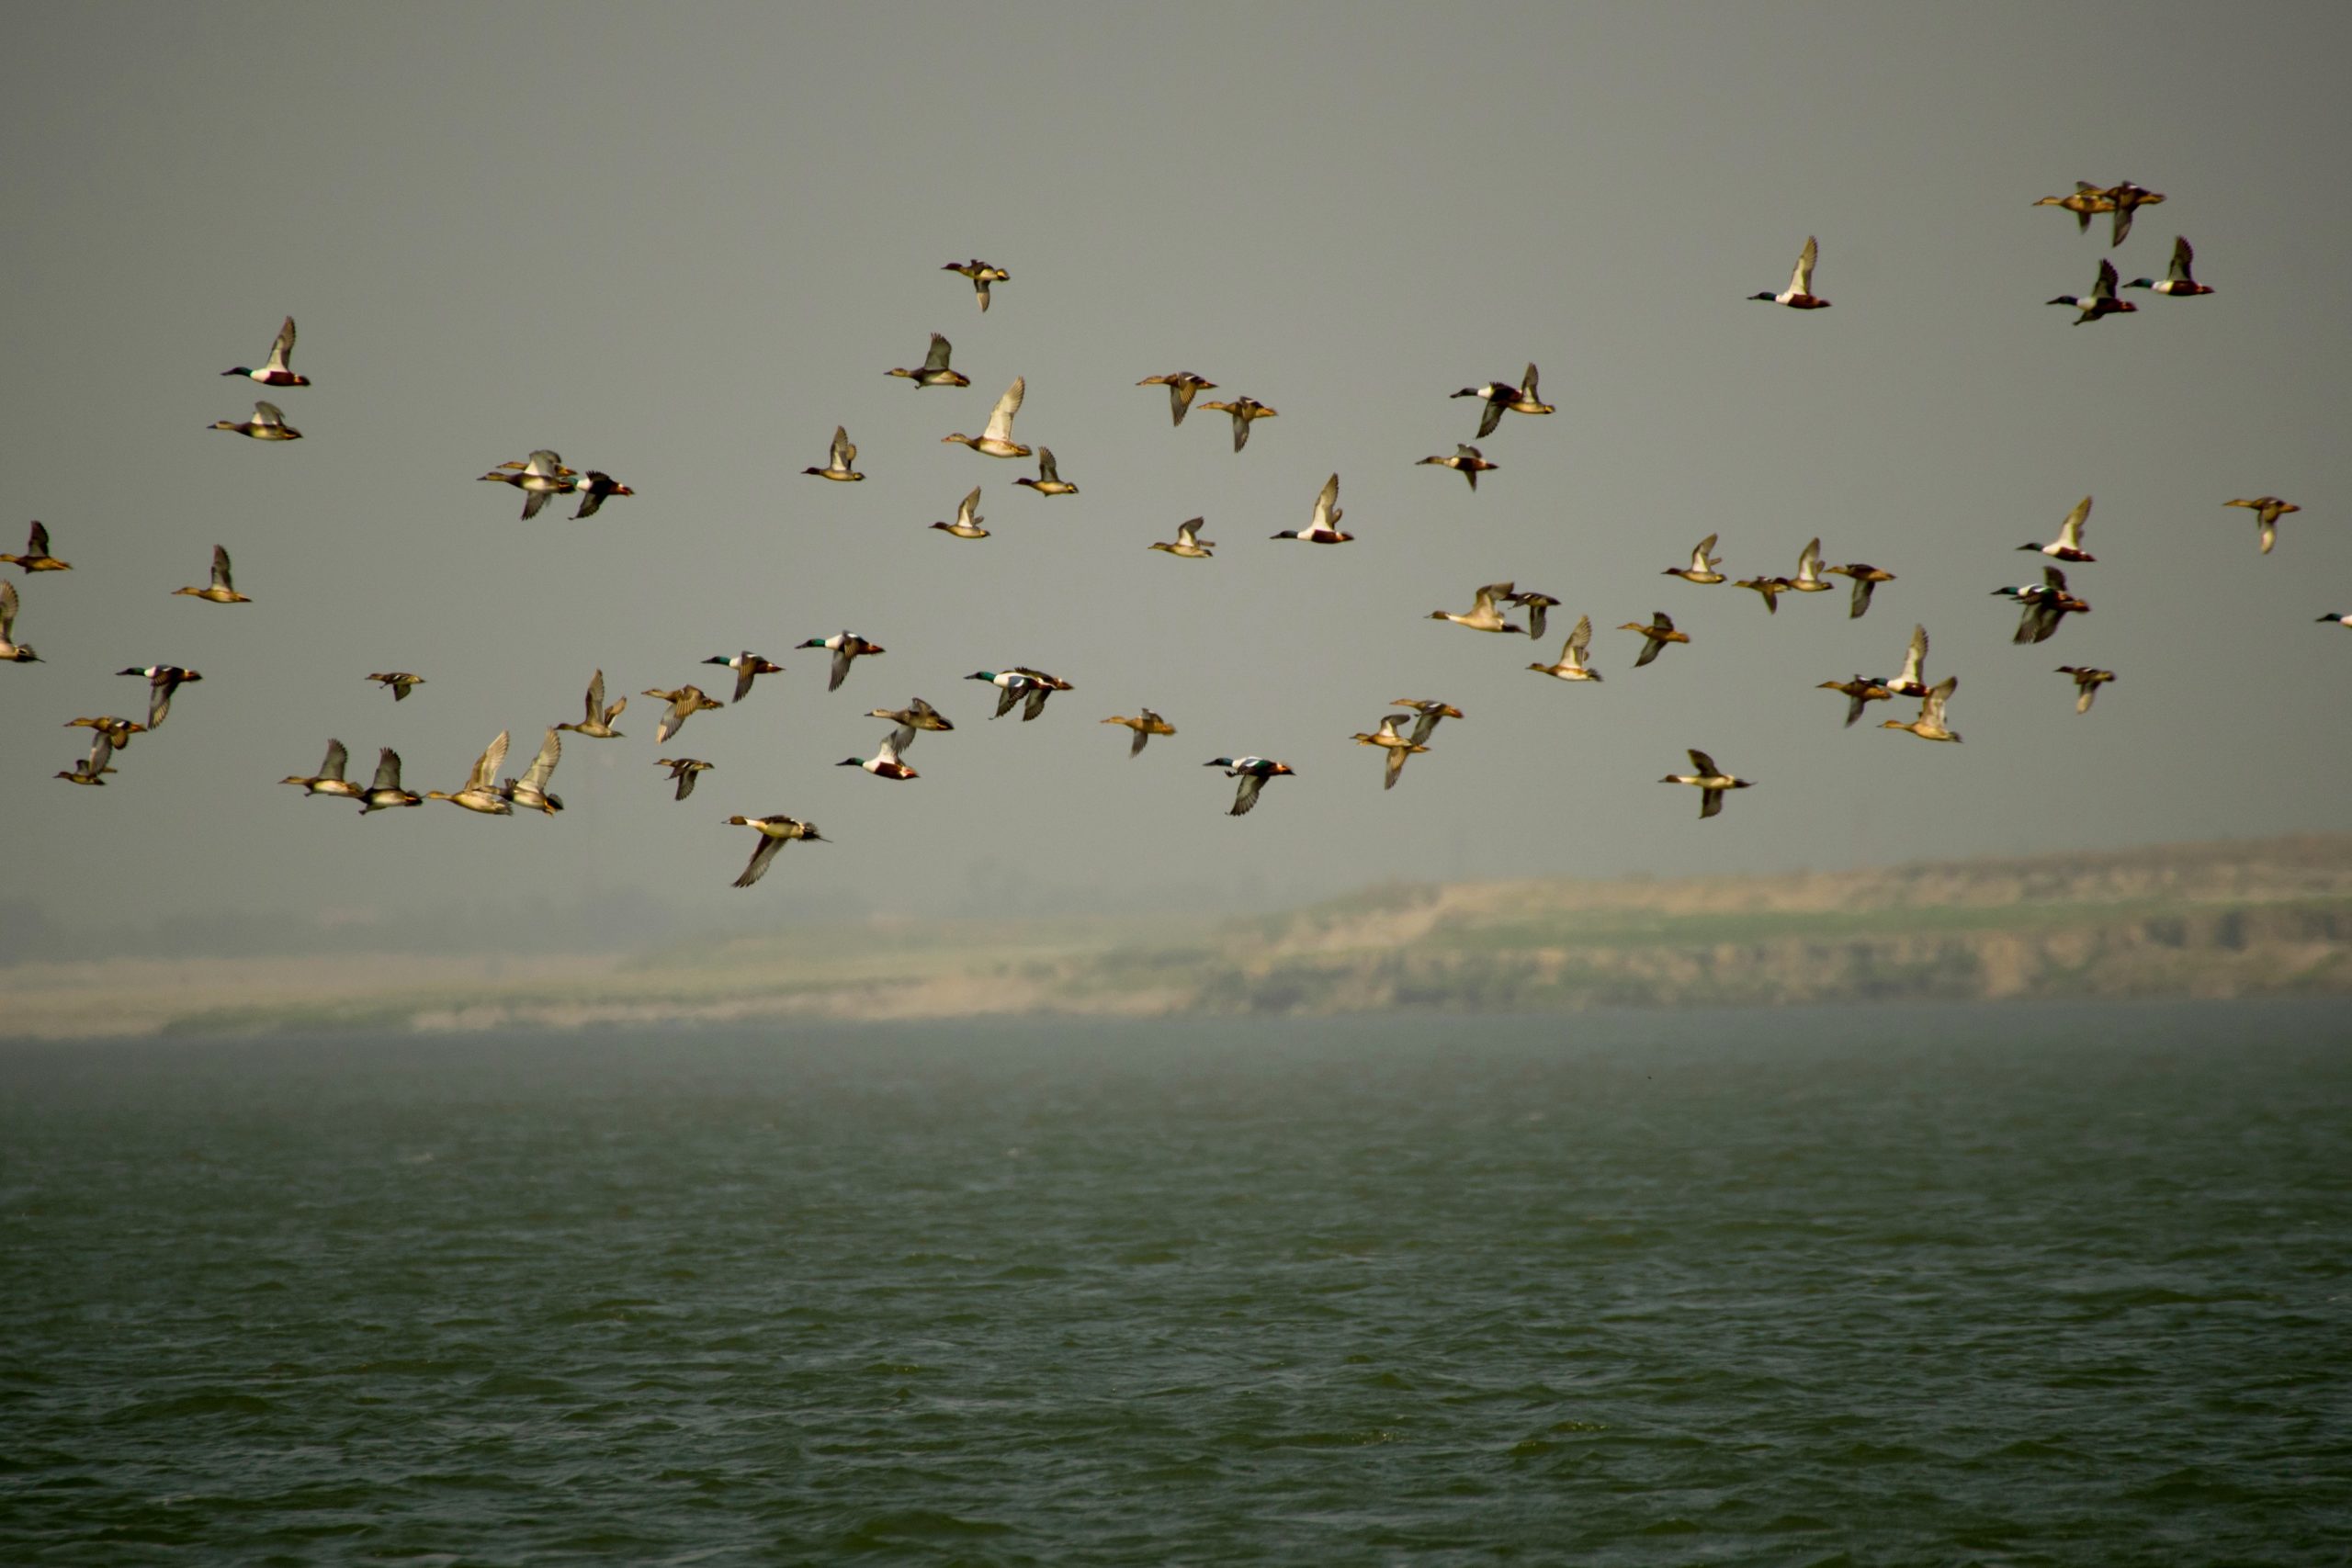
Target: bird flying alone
[(1465, 461), (399, 683), (221, 590), (981, 274), (269, 423), (1798, 295), (1253, 772), (841, 461), (275, 372), (1146, 725), (1710, 781), (37, 556), (2267, 510)]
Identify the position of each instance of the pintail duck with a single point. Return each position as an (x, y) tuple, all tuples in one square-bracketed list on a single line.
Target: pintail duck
[(1253, 772), (329, 779), (1798, 295), (1398, 746), (2102, 301), (1536, 605), (916, 715), (2044, 603), (1861, 692), (2181, 279), (162, 679), (93, 769), (2068, 544), (1930, 725), (684, 703), (117, 730), (2267, 509), (399, 683), (1710, 781), (2087, 681), (37, 556), (1913, 682), (885, 763), (598, 723), (276, 373), (1656, 635), (1146, 725), (11, 650), (1465, 461), (1325, 527), (775, 834), (1245, 411), (748, 667), (531, 791), (540, 476), (684, 770), (968, 520), (1702, 568), (269, 423), (2123, 200), (221, 590), (1050, 480), (1768, 588), (995, 439), (386, 793), (841, 460), (1866, 580), (1181, 385), (1430, 710), (981, 274), (846, 647), (597, 488), (480, 791), (1189, 543), (2088, 200), (1808, 577), (933, 371), (1482, 615), (1573, 654)]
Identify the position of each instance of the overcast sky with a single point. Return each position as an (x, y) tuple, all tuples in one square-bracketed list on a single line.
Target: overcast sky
[(682, 243)]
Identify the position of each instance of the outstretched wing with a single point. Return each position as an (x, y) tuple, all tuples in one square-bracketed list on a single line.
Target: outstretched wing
[(1000, 426)]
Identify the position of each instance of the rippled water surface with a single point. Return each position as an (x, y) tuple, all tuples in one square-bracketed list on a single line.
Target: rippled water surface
[(1998, 1285)]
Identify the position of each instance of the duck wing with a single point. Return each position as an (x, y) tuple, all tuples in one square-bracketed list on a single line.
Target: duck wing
[(542, 767), (1801, 280), (1000, 426), (761, 856), (337, 758), (940, 349), (388, 770), (1246, 796)]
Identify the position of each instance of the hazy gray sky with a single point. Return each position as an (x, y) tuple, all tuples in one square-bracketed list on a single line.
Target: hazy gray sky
[(682, 243)]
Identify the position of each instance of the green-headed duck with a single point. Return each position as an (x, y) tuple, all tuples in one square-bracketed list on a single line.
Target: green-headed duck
[(275, 373), (1798, 295), (885, 763), (748, 667), (2102, 301), (162, 679), (846, 647), (2181, 279)]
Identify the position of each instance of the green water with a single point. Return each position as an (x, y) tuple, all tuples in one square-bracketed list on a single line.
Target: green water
[(1893, 1285)]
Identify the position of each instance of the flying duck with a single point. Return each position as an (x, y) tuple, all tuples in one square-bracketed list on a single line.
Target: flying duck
[(2086, 199), (1181, 385), (480, 791), (2102, 301), (2087, 681), (11, 650), (1573, 654), (1050, 480), (1808, 577), (885, 763), (748, 667), (968, 520), (1930, 725), (2181, 279), (2267, 509), (1189, 543), (1041, 686), (841, 460), (846, 647), (916, 715), (1496, 397), (1798, 295), (2068, 544), (2044, 604), (1710, 781), (269, 423), (1431, 711), (543, 475), (2123, 200), (1482, 615), (531, 791), (1323, 529), (1656, 635), (774, 831), (684, 770), (1465, 461), (597, 488), (93, 769), (1860, 692), (933, 371), (1244, 412), (275, 373), (981, 274), (1011, 685), (1253, 772), (119, 730), (399, 683), (386, 793), (1768, 588), (1702, 568), (684, 703), (1913, 682), (1536, 605), (1398, 746), (1866, 580), (329, 779), (37, 556), (995, 439), (162, 679), (2341, 617), (598, 723), (221, 590), (1146, 725)]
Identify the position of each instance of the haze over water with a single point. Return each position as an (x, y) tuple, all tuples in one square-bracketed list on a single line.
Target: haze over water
[(2024, 1284)]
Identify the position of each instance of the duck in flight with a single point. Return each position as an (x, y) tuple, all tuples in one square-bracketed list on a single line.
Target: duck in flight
[(1866, 581), (162, 679), (775, 834), (2068, 545), (1573, 656), (1325, 527), (223, 589), (1050, 480), (2087, 681), (684, 770), (967, 519), (981, 274), (1483, 616), (684, 703), (399, 683), (934, 370), (11, 650), (1798, 295), (995, 439), (2180, 278), (540, 476), (531, 791), (2102, 301), (480, 791), (2267, 509), (597, 724), (1860, 692), (841, 460), (1396, 746), (1245, 411), (269, 423), (1930, 725), (329, 779), (1181, 384), (93, 769), (885, 763), (37, 556), (2086, 199), (748, 667), (386, 793), (275, 372), (1702, 568), (917, 715), (1710, 781), (1465, 461), (598, 487), (846, 648), (1656, 635), (1146, 724), (1253, 772), (1189, 544)]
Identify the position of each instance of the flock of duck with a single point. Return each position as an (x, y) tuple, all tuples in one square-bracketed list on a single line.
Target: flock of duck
[(542, 475)]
